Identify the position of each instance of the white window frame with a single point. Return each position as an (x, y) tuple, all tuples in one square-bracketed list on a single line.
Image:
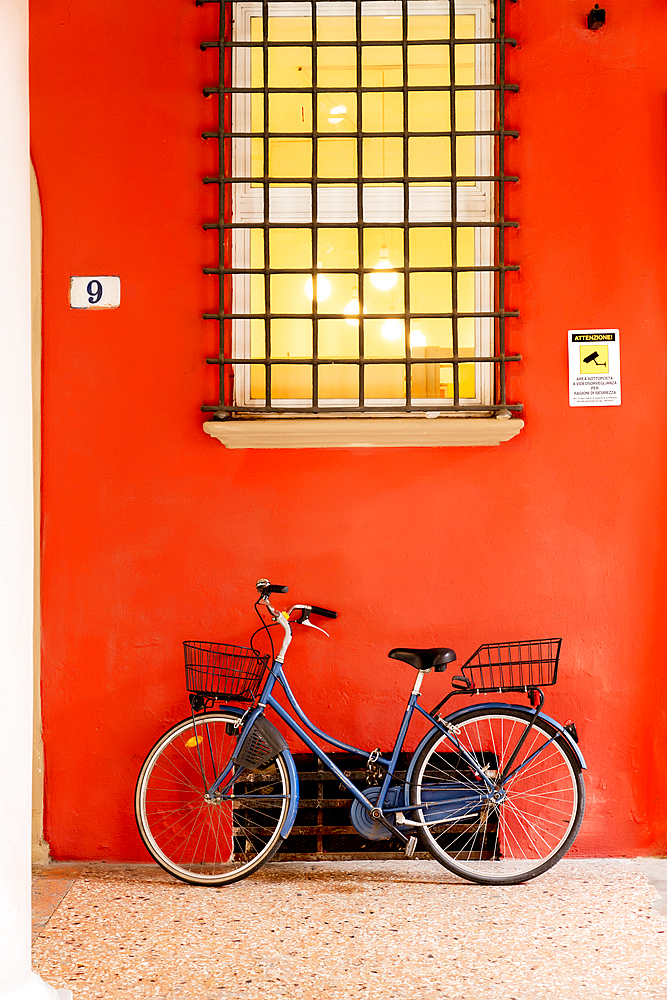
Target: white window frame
[(474, 203)]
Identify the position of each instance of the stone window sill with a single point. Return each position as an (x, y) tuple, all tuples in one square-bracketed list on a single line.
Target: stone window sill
[(374, 432)]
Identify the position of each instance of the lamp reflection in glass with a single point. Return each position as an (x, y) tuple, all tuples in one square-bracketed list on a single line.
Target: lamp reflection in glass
[(336, 114), (384, 277), (392, 329), (351, 310), (322, 290)]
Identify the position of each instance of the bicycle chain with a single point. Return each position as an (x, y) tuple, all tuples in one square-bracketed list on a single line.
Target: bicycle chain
[(373, 770)]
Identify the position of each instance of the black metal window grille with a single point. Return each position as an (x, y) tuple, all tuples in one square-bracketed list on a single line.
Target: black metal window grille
[(393, 163)]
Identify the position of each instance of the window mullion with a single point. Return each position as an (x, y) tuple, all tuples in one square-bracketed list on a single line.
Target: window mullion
[(268, 388), (454, 199), (360, 211), (406, 210), (313, 209)]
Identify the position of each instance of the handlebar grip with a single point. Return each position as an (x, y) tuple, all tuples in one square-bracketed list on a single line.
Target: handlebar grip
[(275, 588), (323, 612)]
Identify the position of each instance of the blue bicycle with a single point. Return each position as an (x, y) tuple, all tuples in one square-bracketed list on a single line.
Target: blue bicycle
[(494, 791)]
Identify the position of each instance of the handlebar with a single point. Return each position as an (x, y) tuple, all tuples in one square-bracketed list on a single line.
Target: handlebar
[(282, 617), (322, 612), (265, 589)]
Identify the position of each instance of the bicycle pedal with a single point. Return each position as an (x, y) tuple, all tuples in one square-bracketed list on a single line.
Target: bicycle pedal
[(410, 848)]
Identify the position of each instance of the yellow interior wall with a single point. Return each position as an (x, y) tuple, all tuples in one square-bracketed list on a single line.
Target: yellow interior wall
[(292, 157)]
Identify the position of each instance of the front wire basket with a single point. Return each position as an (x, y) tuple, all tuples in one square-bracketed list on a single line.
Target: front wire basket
[(232, 673), (513, 666)]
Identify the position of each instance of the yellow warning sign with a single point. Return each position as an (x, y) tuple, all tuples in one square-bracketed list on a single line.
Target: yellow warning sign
[(593, 359)]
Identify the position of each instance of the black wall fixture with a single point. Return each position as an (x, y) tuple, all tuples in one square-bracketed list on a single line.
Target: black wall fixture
[(596, 18)]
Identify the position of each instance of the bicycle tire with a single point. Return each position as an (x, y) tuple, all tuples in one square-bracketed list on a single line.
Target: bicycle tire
[(531, 829), (200, 841)]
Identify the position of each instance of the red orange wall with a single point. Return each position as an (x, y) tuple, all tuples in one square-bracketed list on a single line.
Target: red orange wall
[(152, 532)]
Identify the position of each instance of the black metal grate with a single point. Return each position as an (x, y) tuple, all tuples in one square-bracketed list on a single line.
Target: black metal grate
[(323, 830), (276, 354)]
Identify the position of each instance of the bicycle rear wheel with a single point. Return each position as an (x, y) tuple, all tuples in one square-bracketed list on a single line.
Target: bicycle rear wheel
[(539, 806), (209, 840)]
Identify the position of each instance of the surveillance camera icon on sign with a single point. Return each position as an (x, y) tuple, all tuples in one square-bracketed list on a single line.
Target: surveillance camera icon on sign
[(594, 362)]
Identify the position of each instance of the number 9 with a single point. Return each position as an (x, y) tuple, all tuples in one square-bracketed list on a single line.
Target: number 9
[(94, 289)]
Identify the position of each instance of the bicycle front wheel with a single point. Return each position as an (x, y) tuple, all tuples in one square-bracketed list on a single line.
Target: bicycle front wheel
[(538, 806), (204, 839)]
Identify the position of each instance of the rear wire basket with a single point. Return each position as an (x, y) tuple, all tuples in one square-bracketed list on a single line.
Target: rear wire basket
[(233, 673), (513, 666)]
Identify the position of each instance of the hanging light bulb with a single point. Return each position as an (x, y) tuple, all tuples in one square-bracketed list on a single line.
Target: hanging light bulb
[(385, 277), (323, 287), (336, 114), (392, 329), (351, 310), (417, 338)]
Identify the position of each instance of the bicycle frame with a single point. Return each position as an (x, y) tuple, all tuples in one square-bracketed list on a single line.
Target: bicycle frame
[(266, 700)]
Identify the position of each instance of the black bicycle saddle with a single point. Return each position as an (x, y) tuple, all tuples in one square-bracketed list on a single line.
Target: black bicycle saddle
[(425, 659)]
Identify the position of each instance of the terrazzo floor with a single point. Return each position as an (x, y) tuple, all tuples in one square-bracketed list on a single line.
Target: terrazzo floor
[(392, 930)]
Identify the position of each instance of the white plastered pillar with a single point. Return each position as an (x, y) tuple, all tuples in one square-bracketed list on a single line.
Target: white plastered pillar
[(16, 515)]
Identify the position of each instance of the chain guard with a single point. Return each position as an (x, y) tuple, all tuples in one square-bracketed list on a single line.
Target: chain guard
[(363, 822)]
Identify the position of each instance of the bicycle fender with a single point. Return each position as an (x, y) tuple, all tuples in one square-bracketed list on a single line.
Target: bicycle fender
[(491, 704), (234, 709), (294, 803), (288, 822)]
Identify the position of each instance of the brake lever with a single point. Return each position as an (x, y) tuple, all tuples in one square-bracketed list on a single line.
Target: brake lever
[(304, 619), (316, 627)]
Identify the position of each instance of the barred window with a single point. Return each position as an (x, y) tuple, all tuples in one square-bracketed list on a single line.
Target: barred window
[(361, 207)]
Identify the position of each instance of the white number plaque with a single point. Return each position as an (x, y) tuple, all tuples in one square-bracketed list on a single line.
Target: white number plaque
[(100, 291)]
